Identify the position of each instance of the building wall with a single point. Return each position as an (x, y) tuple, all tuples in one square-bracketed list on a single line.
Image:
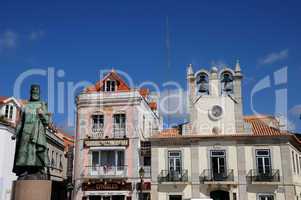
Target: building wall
[(7, 152), (287, 188), (57, 162), (141, 121)]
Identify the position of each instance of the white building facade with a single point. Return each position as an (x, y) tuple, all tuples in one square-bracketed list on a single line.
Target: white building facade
[(221, 154)]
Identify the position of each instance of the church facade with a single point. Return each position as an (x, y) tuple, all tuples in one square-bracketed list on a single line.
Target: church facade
[(220, 153)]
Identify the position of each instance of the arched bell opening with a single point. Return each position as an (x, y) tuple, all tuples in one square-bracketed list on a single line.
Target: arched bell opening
[(203, 83), (226, 82)]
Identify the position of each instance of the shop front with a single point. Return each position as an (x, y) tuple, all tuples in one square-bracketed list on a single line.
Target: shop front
[(118, 190)]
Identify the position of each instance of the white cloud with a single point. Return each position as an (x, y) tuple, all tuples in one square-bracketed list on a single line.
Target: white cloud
[(274, 57), (35, 35), (8, 40)]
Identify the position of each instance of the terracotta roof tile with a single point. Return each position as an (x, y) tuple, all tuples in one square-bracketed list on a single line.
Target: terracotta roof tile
[(263, 125), (2, 98), (172, 132)]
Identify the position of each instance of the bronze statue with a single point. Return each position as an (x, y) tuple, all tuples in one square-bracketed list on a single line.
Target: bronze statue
[(31, 146)]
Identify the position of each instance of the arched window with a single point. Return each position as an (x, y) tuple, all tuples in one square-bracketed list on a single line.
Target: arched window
[(203, 83), (227, 82)]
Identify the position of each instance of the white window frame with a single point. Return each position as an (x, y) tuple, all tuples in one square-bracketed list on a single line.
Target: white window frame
[(263, 156), (9, 111), (111, 87), (224, 156)]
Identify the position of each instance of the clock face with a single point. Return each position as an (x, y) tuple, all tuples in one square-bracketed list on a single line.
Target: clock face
[(216, 112)]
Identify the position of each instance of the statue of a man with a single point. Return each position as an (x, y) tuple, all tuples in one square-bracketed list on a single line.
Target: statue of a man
[(31, 147)]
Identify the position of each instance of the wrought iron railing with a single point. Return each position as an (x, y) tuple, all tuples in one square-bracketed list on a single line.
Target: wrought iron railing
[(97, 132), (109, 171), (272, 175), (119, 132), (210, 175), (173, 176)]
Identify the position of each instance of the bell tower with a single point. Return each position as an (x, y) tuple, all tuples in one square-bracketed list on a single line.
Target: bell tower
[(215, 101)]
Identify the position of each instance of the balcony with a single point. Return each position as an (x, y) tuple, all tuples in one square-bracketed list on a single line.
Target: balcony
[(173, 176), (119, 132), (209, 176), (270, 176), (106, 171), (97, 132)]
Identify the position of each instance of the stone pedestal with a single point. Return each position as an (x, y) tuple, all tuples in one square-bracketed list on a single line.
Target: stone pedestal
[(31, 190)]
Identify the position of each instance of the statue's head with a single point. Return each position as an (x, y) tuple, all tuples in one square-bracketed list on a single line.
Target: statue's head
[(35, 93)]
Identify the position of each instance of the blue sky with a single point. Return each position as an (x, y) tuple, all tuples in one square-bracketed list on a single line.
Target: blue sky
[(86, 36)]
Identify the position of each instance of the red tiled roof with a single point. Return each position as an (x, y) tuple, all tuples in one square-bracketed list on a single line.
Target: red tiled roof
[(2, 98), (172, 132), (122, 85), (263, 125)]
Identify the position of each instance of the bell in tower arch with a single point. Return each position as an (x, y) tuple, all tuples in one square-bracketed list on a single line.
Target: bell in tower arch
[(203, 83), (227, 81)]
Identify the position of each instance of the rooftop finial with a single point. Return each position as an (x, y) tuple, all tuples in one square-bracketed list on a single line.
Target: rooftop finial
[(237, 66), (189, 70)]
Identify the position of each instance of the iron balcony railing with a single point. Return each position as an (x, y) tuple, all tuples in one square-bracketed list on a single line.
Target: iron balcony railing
[(106, 171), (173, 176), (209, 175), (97, 132), (119, 131), (272, 175)]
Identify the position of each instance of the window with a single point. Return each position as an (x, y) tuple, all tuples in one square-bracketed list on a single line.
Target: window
[(98, 122), (300, 162), (297, 163), (9, 110), (143, 123), (52, 159), (294, 164), (234, 196), (110, 86), (119, 125), (263, 161), (265, 197), (107, 158), (56, 160), (147, 161), (175, 197), (174, 161), (218, 162), (61, 163), (48, 156)]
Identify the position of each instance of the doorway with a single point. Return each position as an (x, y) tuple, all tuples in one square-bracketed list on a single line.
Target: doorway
[(220, 195), (175, 197)]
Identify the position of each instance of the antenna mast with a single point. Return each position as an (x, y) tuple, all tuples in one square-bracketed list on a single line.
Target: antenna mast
[(168, 63)]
